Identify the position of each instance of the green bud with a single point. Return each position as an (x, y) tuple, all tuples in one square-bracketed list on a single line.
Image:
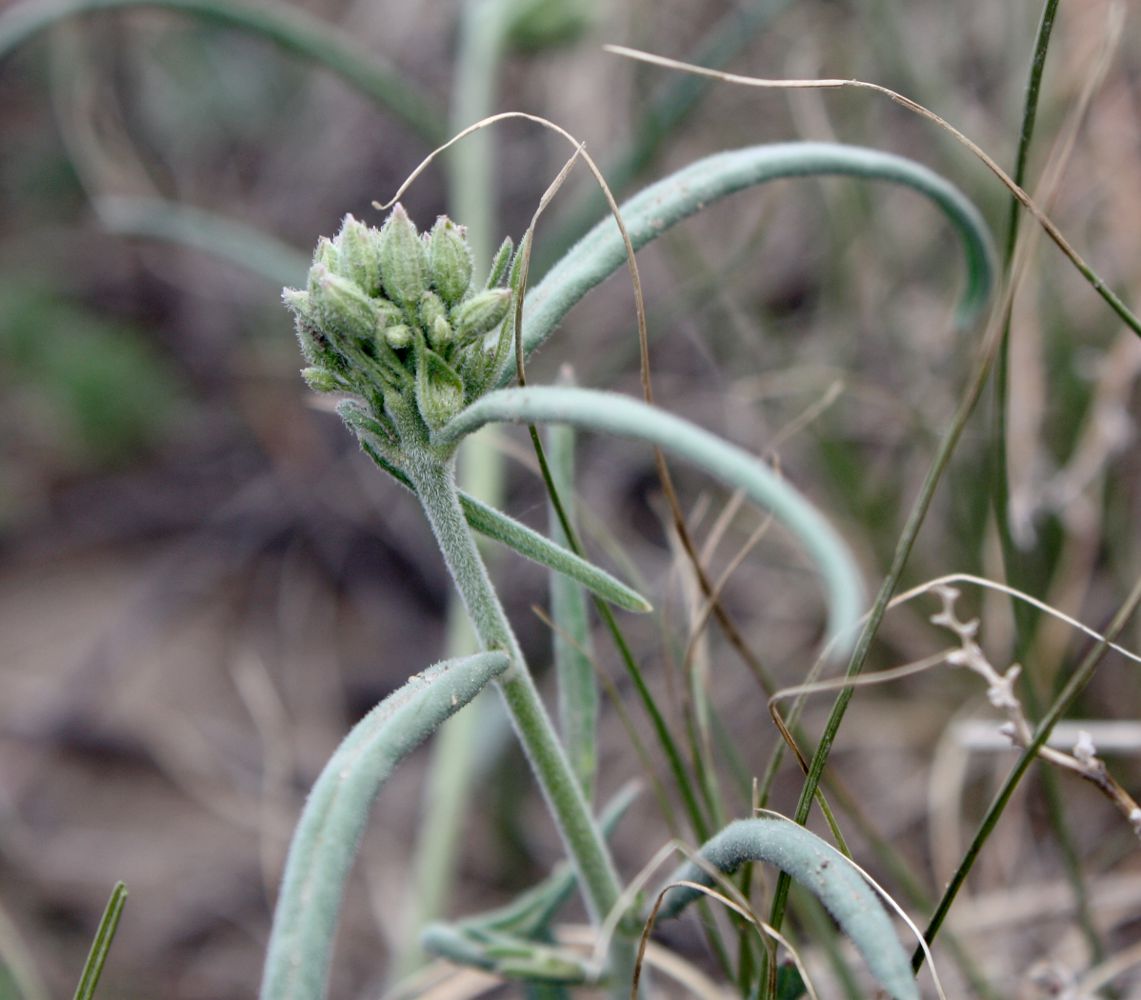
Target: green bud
[(432, 308), (398, 336), (343, 309), (321, 380), (439, 390), (481, 313), (449, 259), (299, 303), (403, 259), (315, 348), (359, 259), (440, 333), (524, 254), (500, 262), (387, 314), (326, 255)]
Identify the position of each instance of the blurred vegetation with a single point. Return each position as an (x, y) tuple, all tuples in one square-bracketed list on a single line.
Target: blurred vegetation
[(203, 583)]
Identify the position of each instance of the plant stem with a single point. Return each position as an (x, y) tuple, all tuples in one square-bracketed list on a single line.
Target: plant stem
[(435, 485), (1019, 572)]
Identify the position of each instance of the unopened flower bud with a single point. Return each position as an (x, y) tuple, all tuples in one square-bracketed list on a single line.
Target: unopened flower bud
[(449, 259), (500, 262), (341, 306), (432, 308), (403, 259), (398, 336), (440, 333), (359, 258), (439, 390), (387, 314), (320, 380), (325, 255), (298, 303), (481, 313)]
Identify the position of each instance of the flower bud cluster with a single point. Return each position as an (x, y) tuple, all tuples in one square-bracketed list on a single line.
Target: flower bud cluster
[(392, 316)]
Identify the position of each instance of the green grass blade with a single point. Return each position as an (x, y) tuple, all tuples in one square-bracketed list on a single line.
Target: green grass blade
[(653, 210), (578, 687), (329, 831), (821, 869), (1018, 573), (621, 415), (286, 25), (101, 946)]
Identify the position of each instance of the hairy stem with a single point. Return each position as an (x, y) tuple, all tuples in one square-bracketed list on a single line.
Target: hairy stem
[(435, 486)]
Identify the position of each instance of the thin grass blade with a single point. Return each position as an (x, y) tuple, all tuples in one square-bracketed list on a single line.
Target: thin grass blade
[(101, 946), (578, 687)]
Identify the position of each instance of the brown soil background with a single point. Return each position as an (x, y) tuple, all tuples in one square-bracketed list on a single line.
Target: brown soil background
[(193, 616)]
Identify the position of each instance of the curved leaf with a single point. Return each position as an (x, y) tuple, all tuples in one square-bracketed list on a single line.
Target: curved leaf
[(329, 831), (621, 415), (821, 869), (287, 26), (654, 209)]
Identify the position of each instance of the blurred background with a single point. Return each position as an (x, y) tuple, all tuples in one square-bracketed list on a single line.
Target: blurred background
[(203, 584)]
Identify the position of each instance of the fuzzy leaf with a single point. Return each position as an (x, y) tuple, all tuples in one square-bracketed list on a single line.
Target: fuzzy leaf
[(325, 842), (821, 869), (626, 417), (538, 548), (530, 544), (439, 390), (658, 207)]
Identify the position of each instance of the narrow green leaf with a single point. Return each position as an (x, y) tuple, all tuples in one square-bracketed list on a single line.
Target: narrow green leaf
[(821, 869), (329, 831), (658, 207), (286, 25), (577, 685), (101, 946), (621, 415), (530, 544), (508, 956)]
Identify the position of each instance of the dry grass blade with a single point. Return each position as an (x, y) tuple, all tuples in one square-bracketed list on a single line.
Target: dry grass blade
[(742, 909), (1116, 22)]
